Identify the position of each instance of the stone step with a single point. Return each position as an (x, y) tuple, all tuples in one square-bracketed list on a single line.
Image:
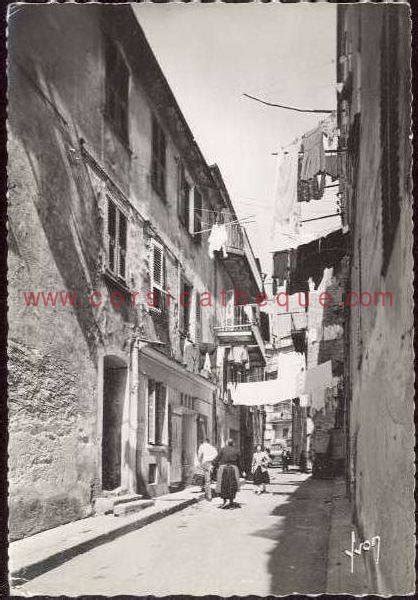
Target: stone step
[(126, 508), (105, 504)]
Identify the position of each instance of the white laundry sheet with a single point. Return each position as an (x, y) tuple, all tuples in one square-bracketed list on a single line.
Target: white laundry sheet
[(257, 393)]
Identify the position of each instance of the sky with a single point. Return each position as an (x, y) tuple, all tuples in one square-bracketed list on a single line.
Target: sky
[(284, 53)]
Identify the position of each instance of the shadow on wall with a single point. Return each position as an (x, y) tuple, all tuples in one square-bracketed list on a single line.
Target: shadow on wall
[(64, 199), (298, 562)]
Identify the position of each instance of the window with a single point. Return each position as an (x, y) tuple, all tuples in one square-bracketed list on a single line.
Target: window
[(157, 275), (285, 432), (186, 294), (117, 89), (158, 159), (157, 413), (116, 237), (184, 198), (197, 215), (152, 473)]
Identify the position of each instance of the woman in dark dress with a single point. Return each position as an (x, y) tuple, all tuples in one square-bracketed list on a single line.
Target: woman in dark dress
[(259, 470), (227, 484)]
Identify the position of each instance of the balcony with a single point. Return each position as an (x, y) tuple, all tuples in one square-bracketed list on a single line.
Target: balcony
[(240, 262), (241, 325)]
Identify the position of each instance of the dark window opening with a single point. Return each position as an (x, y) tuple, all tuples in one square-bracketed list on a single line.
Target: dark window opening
[(157, 412), (184, 198), (117, 89), (158, 159), (152, 473)]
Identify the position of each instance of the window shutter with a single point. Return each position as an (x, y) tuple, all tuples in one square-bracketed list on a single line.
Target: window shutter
[(151, 411), (198, 330), (157, 266), (122, 245), (111, 233)]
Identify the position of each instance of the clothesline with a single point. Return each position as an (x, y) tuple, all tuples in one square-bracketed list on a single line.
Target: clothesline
[(302, 110), (240, 221)]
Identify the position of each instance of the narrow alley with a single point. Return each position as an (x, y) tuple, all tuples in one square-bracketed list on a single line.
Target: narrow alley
[(270, 544)]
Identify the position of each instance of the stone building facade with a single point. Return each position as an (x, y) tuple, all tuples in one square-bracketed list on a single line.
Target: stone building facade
[(374, 111), (114, 371)]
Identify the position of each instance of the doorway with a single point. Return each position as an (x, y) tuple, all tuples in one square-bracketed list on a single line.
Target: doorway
[(114, 391)]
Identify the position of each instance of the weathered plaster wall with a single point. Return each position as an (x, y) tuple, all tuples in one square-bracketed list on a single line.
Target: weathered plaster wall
[(381, 416)]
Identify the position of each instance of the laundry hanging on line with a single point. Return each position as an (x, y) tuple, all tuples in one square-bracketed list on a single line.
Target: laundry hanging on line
[(217, 239), (286, 211)]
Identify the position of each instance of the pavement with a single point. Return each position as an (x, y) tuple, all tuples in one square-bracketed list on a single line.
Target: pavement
[(46, 551), (288, 540)]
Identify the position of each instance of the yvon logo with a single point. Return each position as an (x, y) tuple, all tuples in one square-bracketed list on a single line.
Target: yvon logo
[(373, 544)]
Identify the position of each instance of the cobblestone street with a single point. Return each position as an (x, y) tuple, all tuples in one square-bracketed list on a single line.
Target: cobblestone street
[(275, 543)]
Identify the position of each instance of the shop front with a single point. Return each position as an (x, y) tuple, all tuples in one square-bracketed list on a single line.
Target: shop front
[(175, 416)]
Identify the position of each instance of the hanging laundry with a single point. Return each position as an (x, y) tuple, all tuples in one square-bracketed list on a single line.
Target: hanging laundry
[(332, 166), (217, 239), (286, 211), (280, 266), (248, 311), (220, 356), (207, 365), (313, 158), (238, 355)]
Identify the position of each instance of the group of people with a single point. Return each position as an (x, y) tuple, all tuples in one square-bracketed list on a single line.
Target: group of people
[(228, 464)]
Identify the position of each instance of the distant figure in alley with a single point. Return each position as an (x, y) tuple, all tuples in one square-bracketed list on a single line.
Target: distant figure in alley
[(206, 454), (227, 484), (259, 469)]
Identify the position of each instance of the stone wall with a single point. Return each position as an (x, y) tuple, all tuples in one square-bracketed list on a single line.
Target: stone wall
[(63, 153), (381, 340)]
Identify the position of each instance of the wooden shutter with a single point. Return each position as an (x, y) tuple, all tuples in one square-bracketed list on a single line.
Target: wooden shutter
[(198, 329), (157, 273), (122, 240), (157, 266), (151, 411), (111, 234)]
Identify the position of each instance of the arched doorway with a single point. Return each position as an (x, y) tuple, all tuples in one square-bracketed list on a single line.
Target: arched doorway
[(114, 391)]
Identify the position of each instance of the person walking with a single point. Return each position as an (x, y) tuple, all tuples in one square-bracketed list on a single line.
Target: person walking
[(285, 460), (259, 470), (206, 454), (227, 484)]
